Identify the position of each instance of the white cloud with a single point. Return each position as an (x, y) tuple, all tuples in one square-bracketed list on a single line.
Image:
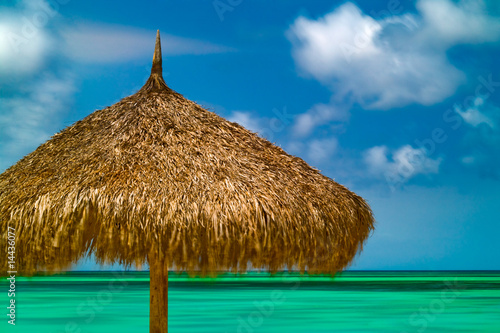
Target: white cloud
[(268, 127), (481, 143), (27, 40), (393, 61), (415, 160), (316, 150), (473, 116), (400, 165), (247, 120), (30, 119), (24, 43), (464, 22), (318, 115), (322, 149), (468, 160), (99, 43), (376, 159), (320, 47)]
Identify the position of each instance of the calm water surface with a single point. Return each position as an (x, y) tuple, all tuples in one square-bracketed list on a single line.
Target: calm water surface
[(256, 302)]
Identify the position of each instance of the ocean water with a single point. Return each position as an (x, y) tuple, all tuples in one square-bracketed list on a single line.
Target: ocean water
[(256, 302)]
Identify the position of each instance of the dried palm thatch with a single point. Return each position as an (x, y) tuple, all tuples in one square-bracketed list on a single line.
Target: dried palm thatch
[(158, 175)]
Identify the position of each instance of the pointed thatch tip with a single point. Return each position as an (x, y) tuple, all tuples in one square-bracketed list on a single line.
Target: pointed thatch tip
[(157, 67), (155, 82)]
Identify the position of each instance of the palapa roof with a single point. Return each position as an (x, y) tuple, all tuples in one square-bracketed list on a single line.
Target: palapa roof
[(157, 172)]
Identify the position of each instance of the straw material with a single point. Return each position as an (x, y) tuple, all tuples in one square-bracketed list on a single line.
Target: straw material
[(157, 173)]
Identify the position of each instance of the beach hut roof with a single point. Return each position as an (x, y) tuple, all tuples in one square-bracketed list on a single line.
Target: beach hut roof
[(158, 173)]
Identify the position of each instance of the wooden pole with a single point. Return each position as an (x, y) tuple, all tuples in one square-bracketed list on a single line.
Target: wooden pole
[(158, 294)]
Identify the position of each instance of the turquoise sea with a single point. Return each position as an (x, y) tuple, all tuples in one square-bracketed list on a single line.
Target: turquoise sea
[(353, 301)]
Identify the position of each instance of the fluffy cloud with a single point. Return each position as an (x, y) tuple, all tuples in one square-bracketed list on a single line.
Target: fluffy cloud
[(318, 115), (313, 150), (475, 116), (390, 62), (400, 165)]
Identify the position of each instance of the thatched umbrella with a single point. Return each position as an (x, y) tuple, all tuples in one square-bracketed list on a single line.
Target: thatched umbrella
[(157, 179)]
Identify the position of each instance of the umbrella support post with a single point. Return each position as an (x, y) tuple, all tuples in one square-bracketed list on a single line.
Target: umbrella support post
[(158, 295)]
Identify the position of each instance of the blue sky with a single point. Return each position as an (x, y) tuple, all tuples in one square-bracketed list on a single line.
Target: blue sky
[(398, 100)]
